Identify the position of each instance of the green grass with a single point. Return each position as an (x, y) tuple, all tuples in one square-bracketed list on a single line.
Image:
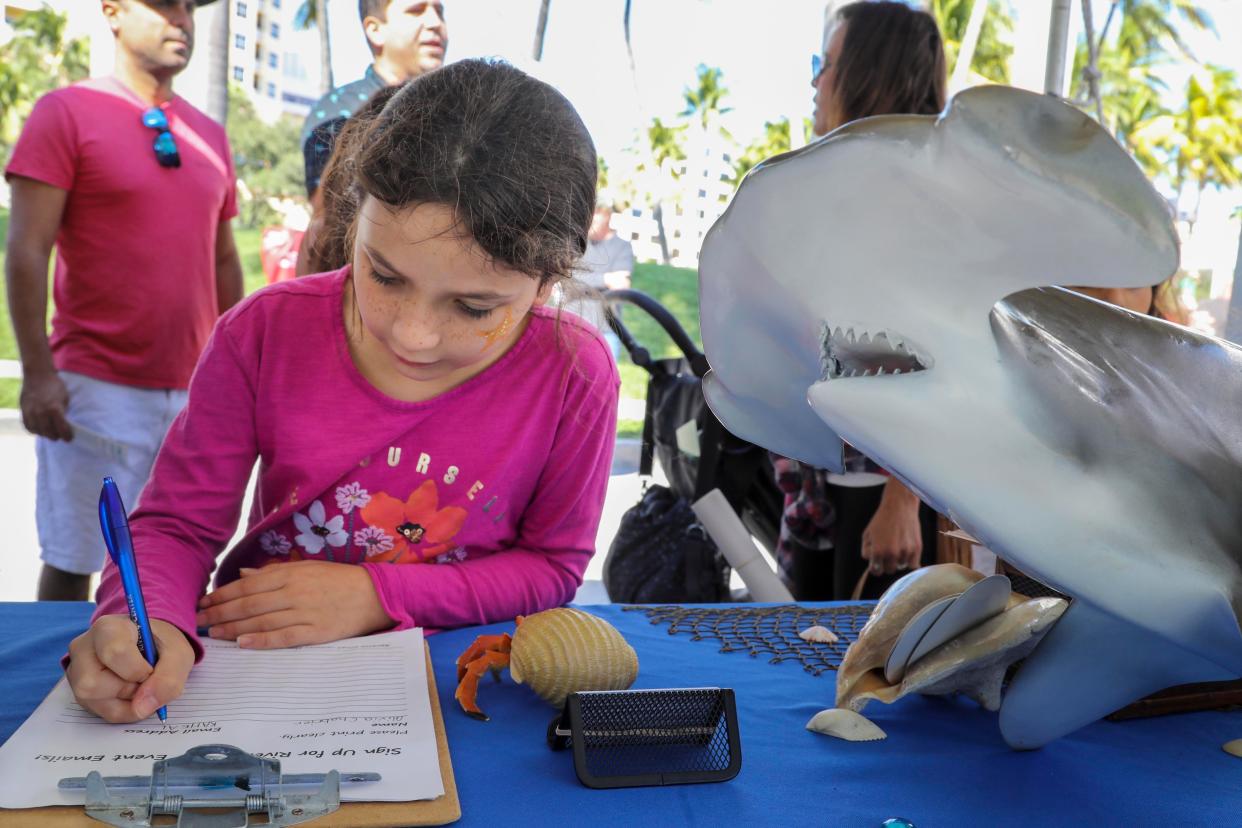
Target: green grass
[(674, 287)]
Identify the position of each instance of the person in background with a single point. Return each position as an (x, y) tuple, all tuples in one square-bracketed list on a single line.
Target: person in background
[(1161, 301), (407, 39), (880, 58), (607, 265), (135, 189)]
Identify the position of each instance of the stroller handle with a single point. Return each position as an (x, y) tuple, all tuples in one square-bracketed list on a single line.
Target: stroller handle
[(639, 354)]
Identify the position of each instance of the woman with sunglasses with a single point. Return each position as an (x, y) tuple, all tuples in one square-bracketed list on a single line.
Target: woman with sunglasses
[(879, 58)]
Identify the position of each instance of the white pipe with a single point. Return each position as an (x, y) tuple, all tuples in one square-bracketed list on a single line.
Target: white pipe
[(1058, 38), (734, 542), (966, 52)]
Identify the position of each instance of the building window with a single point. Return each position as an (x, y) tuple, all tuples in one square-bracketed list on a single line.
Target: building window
[(239, 74), (272, 60), (241, 9), (275, 30), (271, 90), (239, 41)]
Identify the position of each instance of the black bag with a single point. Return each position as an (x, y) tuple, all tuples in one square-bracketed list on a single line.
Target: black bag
[(661, 554)]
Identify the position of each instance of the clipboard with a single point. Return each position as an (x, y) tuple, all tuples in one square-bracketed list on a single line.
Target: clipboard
[(439, 811)]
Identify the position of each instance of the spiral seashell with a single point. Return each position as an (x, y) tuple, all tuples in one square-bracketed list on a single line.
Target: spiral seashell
[(560, 651)]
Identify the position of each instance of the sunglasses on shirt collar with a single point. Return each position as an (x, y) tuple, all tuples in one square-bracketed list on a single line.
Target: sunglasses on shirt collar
[(165, 145)]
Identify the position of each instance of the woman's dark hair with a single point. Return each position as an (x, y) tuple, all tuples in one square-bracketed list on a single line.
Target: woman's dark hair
[(505, 151), (892, 62)]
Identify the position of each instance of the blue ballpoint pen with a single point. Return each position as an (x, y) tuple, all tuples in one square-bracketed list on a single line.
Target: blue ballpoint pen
[(115, 526)]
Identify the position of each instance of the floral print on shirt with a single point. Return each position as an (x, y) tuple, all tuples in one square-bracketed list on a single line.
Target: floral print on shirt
[(420, 530), (389, 530), (316, 531)]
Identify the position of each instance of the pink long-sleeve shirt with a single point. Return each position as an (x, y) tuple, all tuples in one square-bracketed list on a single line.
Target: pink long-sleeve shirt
[(472, 507)]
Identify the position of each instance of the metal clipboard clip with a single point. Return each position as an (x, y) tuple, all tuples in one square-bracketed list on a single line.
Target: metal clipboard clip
[(211, 786)]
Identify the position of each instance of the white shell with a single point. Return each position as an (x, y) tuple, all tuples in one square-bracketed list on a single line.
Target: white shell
[(1233, 748), (818, 634), (845, 724)]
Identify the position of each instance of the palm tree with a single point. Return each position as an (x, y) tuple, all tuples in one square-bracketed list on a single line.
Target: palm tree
[(1152, 23), (315, 13), (992, 49), (1204, 140), (665, 149), (1127, 65), (774, 141), (704, 100)]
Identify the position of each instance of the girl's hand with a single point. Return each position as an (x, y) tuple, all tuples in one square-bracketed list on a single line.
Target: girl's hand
[(893, 539), (291, 604), (110, 677)]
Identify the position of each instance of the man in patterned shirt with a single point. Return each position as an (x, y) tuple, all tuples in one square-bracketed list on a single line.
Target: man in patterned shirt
[(407, 38)]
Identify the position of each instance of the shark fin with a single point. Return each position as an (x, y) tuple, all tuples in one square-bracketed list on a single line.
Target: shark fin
[(1089, 665)]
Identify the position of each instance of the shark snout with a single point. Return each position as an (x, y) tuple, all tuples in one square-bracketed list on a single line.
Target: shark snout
[(856, 352)]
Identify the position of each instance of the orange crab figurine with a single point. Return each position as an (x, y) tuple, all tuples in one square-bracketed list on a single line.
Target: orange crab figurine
[(556, 652)]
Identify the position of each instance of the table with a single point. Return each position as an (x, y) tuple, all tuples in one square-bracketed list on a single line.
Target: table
[(944, 762)]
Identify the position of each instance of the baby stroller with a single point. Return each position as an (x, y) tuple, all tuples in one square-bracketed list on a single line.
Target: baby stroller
[(661, 553)]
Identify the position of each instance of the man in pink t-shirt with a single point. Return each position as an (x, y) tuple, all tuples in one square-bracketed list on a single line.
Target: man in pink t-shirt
[(135, 188)]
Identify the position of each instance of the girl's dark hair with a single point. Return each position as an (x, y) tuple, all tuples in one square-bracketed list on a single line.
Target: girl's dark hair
[(892, 62), (505, 151), (333, 246)]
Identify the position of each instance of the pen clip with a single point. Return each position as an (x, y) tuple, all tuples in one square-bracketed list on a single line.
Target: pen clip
[(111, 510)]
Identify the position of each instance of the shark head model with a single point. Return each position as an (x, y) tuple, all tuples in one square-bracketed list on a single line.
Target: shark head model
[(885, 286)]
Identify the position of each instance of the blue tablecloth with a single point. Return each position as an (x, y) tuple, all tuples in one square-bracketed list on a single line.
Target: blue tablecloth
[(943, 763)]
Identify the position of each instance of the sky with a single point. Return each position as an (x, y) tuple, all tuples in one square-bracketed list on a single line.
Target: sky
[(763, 48)]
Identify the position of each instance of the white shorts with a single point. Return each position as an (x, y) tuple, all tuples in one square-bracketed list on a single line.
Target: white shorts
[(117, 432)]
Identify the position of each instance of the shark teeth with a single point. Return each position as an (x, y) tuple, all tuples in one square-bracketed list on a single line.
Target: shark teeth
[(850, 353)]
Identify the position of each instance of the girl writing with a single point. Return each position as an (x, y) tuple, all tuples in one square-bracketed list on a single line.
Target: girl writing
[(433, 443)]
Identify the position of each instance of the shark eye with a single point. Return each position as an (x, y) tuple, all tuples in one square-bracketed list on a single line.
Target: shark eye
[(848, 354)]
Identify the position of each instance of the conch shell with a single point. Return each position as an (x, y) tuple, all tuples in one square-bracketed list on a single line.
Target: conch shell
[(560, 651), (973, 663)]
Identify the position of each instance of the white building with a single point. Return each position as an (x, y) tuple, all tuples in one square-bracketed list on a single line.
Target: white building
[(274, 61)]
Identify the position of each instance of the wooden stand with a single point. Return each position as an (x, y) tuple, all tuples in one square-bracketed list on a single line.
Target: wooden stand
[(1185, 698)]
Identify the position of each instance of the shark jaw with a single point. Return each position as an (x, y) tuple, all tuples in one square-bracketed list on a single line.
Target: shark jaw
[(847, 353)]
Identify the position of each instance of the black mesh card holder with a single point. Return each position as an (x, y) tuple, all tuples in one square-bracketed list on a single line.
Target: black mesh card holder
[(627, 738)]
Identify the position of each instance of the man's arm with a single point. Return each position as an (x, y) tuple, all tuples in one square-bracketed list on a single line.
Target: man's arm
[(34, 220), (228, 268)]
